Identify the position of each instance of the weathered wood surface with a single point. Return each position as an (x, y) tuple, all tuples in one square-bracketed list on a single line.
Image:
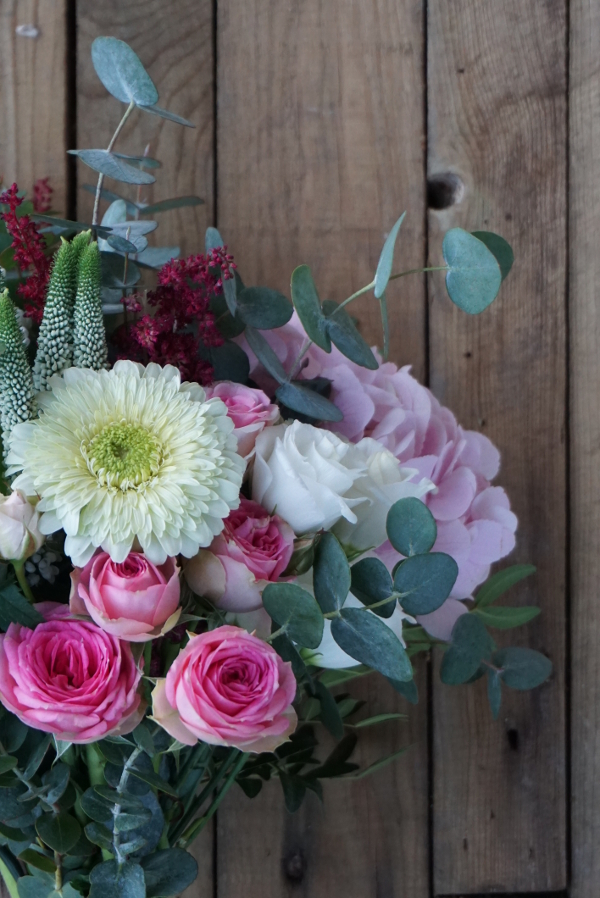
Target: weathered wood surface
[(497, 117), (584, 259)]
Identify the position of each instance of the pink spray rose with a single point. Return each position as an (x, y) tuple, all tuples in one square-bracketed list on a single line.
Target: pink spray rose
[(250, 410), (69, 678), (254, 549), (475, 524), (134, 600), (19, 532), (227, 687)]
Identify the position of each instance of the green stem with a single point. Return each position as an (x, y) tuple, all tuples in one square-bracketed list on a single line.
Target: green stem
[(128, 112), (394, 277), (194, 806), (19, 567), (58, 878), (9, 881), (199, 825), (94, 764)]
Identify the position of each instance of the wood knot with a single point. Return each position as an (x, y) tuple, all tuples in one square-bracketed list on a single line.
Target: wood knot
[(294, 865), (444, 190)]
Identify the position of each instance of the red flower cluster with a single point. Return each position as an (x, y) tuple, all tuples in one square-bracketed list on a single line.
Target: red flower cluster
[(42, 195), (184, 322), (29, 251)]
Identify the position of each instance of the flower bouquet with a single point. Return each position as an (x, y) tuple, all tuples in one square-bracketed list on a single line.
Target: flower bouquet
[(219, 506)]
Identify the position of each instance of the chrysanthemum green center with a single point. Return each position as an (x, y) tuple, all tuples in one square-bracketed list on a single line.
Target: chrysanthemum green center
[(123, 455)]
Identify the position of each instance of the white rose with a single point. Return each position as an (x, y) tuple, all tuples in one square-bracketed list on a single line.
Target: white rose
[(19, 534)]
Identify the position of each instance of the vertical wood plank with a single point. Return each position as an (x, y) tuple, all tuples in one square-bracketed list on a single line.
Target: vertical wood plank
[(497, 117), (175, 44), (320, 147), (584, 312), (33, 96)]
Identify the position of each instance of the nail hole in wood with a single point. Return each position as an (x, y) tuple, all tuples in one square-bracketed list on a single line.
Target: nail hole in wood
[(444, 190), (294, 866)]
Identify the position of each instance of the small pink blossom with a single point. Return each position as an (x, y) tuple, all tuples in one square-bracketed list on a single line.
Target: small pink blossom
[(254, 549), (135, 600), (227, 687), (250, 410), (70, 678)]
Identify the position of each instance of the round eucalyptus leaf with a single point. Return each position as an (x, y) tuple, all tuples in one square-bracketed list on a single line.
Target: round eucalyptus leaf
[(113, 271), (425, 581), (121, 72), (307, 402), (371, 582), (522, 668), (168, 872), (473, 277), (263, 308), (110, 165), (368, 640), (59, 831), (411, 527), (121, 245), (343, 332), (265, 355), (296, 612), (125, 880), (306, 302), (386, 259), (500, 247), (471, 644), (331, 574)]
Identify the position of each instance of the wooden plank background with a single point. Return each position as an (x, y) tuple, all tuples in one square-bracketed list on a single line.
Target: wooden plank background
[(318, 122)]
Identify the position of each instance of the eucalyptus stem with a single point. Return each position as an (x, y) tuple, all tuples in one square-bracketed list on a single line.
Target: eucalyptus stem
[(117, 807), (19, 567), (58, 878), (128, 112)]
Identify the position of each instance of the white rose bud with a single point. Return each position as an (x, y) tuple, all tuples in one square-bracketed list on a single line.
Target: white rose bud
[(19, 534)]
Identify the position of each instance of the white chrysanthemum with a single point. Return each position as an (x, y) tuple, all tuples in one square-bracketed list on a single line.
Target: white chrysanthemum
[(128, 456)]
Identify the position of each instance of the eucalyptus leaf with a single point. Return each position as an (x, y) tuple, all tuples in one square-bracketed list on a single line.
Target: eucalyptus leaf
[(100, 835), (407, 688), (125, 822), (263, 308), (168, 872), (367, 639), (57, 781), (503, 618), (176, 202), (386, 259), (121, 245), (212, 239), (157, 256), (343, 332), (65, 224), (296, 612), (38, 860), (305, 401), (59, 831), (7, 762), (425, 581), (121, 72), (34, 887), (117, 880), (170, 116), (385, 326), (500, 247), (473, 278), (229, 362), (15, 609), (111, 196), (294, 790), (411, 527), (106, 163), (499, 583), (331, 574), (306, 302), (113, 271), (330, 714), (153, 779), (522, 668), (12, 732), (140, 161), (370, 583), (471, 644), (265, 355), (95, 807)]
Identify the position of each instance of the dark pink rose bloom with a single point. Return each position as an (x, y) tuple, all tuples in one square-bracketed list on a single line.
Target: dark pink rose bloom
[(250, 410), (227, 687)]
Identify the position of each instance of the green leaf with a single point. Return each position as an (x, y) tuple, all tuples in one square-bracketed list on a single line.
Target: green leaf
[(15, 609), (331, 574), (110, 795), (212, 239), (59, 831), (378, 718), (522, 668), (473, 277), (500, 247), (425, 582), (407, 689), (494, 691), (386, 259), (99, 835), (263, 308), (140, 161), (371, 582), (330, 714), (378, 765), (113, 271), (65, 224), (230, 362), (471, 644), (343, 332), (493, 588), (110, 196), (385, 326), (168, 872), (35, 758), (367, 639), (95, 807), (265, 355), (336, 762), (121, 245), (7, 763), (296, 612), (229, 325), (338, 676), (294, 790), (176, 202), (121, 72), (57, 779), (503, 618), (126, 822), (306, 401), (153, 779), (38, 860), (35, 887), (306, 302), (117, 880), (12, 732), (143, 739), (61, 747), (286, 649), (411, 527), (13, 835), (157, 256), (110, 165), (170, 116)]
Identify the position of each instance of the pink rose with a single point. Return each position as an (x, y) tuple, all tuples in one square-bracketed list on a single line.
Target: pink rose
[(69, 678), (254, 549), (250, 410), (227, 687), (135, 600)]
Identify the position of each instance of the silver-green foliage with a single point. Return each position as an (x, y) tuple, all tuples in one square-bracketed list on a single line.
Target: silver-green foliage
[(16, 382), (89, 337)]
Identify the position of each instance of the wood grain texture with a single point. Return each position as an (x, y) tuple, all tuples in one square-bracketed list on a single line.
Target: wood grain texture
[(33, 107), (584, 209), (175, 44), (320, 148), (497, 117)]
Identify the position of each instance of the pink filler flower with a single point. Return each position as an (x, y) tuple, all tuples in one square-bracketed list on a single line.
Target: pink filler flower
[(254, 549), (475, 524), (227, 687), (69, 678), (135, 600)]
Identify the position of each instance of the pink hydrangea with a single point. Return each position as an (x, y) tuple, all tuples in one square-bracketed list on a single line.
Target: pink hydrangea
[(475, 523)]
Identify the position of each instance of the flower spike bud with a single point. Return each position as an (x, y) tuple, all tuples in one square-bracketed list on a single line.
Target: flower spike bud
[(55, 341), (16, 382), (89, 337)]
